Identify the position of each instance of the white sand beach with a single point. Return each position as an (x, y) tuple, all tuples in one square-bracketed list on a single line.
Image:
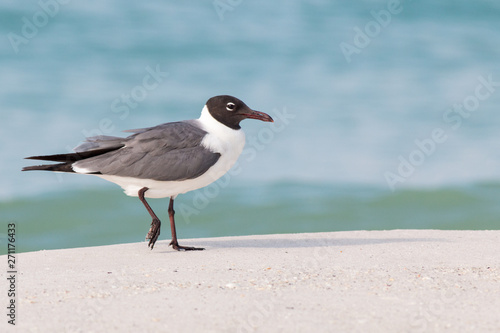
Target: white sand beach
[(359, 281)]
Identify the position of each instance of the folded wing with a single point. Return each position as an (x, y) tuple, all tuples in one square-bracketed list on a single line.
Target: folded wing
[(168, 152)]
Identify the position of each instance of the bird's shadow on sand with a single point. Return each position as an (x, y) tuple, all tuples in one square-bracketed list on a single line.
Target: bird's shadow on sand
[(306, 242)]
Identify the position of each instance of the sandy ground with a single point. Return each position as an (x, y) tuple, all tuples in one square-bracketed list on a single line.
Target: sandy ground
[(361, 281)]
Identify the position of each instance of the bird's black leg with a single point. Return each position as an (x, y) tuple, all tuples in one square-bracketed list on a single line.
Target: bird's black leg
[(174, 242), (154, 232)]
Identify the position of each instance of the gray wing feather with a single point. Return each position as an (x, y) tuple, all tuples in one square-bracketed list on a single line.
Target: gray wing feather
[(166, 152), (138, 130), (100, 142)]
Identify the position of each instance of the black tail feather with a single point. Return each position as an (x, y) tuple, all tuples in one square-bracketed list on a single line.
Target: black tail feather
[(66, 159), (61, 167), (71, 157)]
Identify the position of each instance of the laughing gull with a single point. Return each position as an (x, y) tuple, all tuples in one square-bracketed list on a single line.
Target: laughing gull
[(165, 160)]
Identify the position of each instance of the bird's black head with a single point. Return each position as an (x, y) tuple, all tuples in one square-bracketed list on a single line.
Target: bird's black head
[(229, 111)]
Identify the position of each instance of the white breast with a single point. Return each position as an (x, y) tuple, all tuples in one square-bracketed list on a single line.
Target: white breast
[(220, 139)]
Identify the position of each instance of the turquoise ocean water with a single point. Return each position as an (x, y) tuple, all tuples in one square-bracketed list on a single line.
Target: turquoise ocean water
[(387, 113)]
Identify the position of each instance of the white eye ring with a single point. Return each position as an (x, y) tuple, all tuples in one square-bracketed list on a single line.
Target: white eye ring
[(230, 106)]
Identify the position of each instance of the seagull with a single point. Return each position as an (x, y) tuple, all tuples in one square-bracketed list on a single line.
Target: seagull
[(165, 160)]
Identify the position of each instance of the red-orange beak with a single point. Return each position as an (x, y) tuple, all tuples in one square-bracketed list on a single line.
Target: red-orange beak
[(258, 115)]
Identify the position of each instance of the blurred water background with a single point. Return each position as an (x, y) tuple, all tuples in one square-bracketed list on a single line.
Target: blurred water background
[(387, 113)]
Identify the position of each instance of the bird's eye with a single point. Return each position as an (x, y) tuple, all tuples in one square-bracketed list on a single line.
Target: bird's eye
[(230, 106)]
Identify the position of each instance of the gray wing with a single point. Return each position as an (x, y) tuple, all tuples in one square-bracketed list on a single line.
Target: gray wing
[(166, 152)]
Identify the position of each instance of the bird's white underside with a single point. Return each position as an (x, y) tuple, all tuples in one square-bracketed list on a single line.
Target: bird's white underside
[(220, 139)]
